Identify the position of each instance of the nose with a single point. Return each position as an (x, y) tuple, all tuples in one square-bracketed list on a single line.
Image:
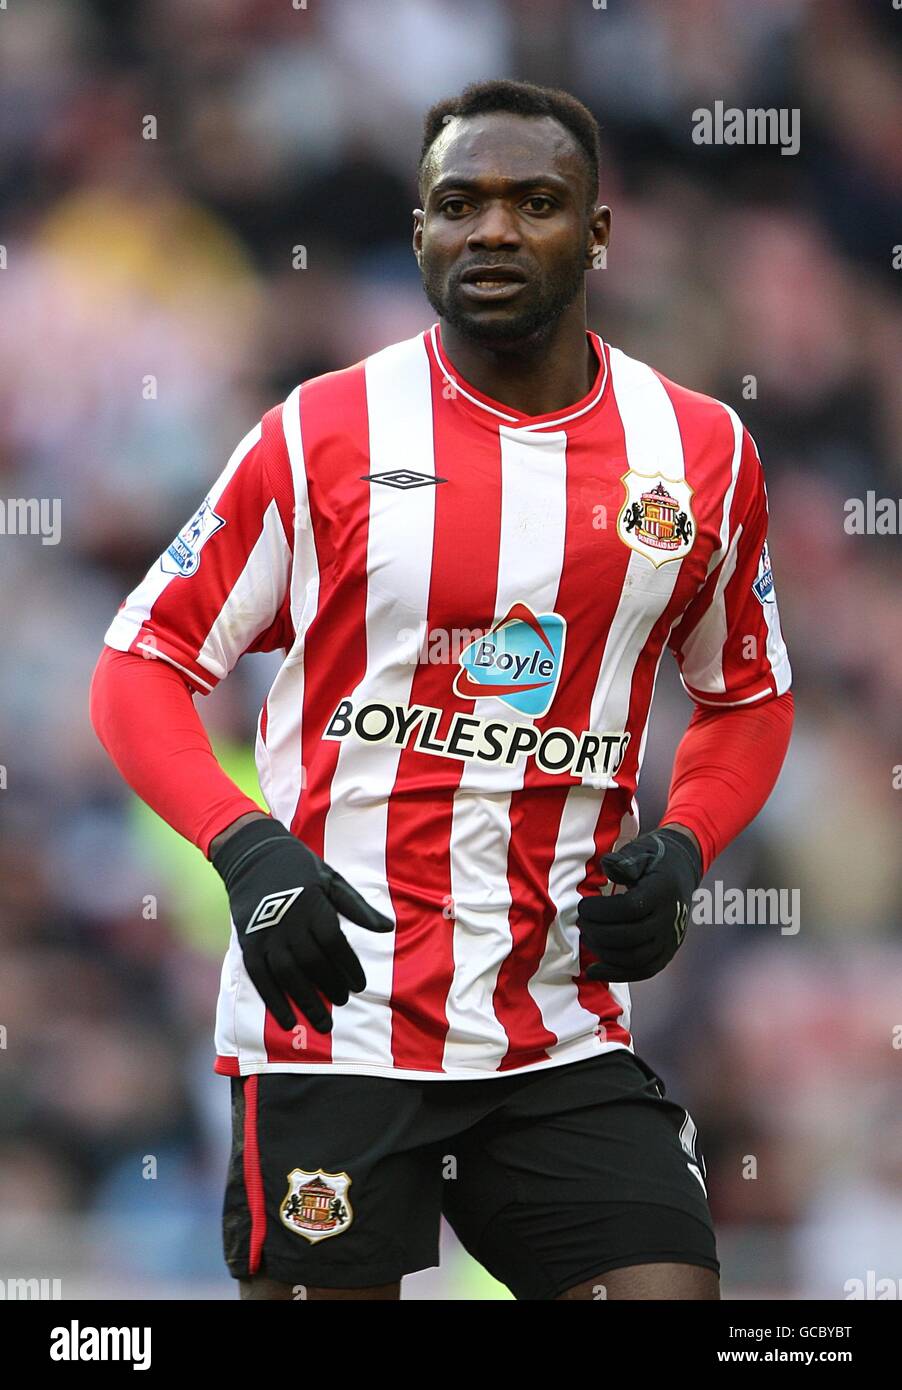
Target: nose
[(494, 229)]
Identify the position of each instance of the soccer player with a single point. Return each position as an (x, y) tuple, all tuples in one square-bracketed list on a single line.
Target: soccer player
[(472, 549)]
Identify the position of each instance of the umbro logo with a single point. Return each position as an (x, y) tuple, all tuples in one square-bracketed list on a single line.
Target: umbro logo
[(402, 477), (271, 909)]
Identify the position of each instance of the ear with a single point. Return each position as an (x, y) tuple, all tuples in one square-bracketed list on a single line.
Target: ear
[(418, 218), (599, 237)]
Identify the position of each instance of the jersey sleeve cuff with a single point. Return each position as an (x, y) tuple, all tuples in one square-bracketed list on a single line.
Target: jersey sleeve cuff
[(123, 637), (734, 699)]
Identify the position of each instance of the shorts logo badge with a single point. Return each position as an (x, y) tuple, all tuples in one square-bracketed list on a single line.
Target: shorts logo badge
[(183, 556), (316, 1204), (656, 518), (696, 1163)]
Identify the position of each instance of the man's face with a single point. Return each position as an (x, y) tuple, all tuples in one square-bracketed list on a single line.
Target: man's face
[(506, 235)]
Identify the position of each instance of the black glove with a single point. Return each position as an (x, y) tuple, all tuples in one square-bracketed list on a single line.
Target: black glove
[(285, 903), (636, 933)]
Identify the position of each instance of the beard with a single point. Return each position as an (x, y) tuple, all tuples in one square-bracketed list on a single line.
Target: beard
[(531, 322)]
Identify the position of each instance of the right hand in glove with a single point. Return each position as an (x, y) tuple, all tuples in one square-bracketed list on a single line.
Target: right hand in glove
[(285, 903)]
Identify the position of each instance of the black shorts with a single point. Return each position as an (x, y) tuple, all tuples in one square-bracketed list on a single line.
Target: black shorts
[(548, 1178)]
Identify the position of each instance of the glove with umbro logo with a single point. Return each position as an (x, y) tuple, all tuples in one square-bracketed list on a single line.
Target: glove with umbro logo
[(285, 903), (636, 933)]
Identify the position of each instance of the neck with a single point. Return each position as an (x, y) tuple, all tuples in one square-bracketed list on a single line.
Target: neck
[(535, 378)]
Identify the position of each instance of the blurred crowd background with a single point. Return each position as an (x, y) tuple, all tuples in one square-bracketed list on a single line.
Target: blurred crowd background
[(150, 312)]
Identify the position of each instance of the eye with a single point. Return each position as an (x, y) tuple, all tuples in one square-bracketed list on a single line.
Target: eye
[(454, 207), (545, 204)]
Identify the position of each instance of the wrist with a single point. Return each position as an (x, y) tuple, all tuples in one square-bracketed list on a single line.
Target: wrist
[(224, 836), (688, 842)]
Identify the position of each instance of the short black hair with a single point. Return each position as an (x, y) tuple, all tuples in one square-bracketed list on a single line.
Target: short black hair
[(521, 99)]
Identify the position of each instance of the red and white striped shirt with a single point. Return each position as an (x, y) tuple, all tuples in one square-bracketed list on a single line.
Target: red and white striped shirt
[(473, 604)]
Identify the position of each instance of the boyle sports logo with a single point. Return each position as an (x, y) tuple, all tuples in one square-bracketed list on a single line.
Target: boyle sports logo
[(518, 661)]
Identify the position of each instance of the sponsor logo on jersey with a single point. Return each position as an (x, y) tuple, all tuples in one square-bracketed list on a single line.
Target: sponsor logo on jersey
[(764, 584), (183, 556), (593, 757), (518, 661), (656, 518), (316, 1204)]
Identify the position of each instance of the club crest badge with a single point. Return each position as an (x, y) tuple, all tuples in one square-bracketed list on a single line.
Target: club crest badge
[(316, 1204), (183, 556), (656, 518)]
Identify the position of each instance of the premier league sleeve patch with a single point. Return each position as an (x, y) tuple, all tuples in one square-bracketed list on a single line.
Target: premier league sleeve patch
[(764, 584), (183, 556)]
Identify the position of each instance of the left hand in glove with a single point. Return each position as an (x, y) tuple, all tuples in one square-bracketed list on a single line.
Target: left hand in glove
[(636, 933)]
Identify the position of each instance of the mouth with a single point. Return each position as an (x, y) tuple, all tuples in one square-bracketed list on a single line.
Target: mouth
[(492, 282)]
